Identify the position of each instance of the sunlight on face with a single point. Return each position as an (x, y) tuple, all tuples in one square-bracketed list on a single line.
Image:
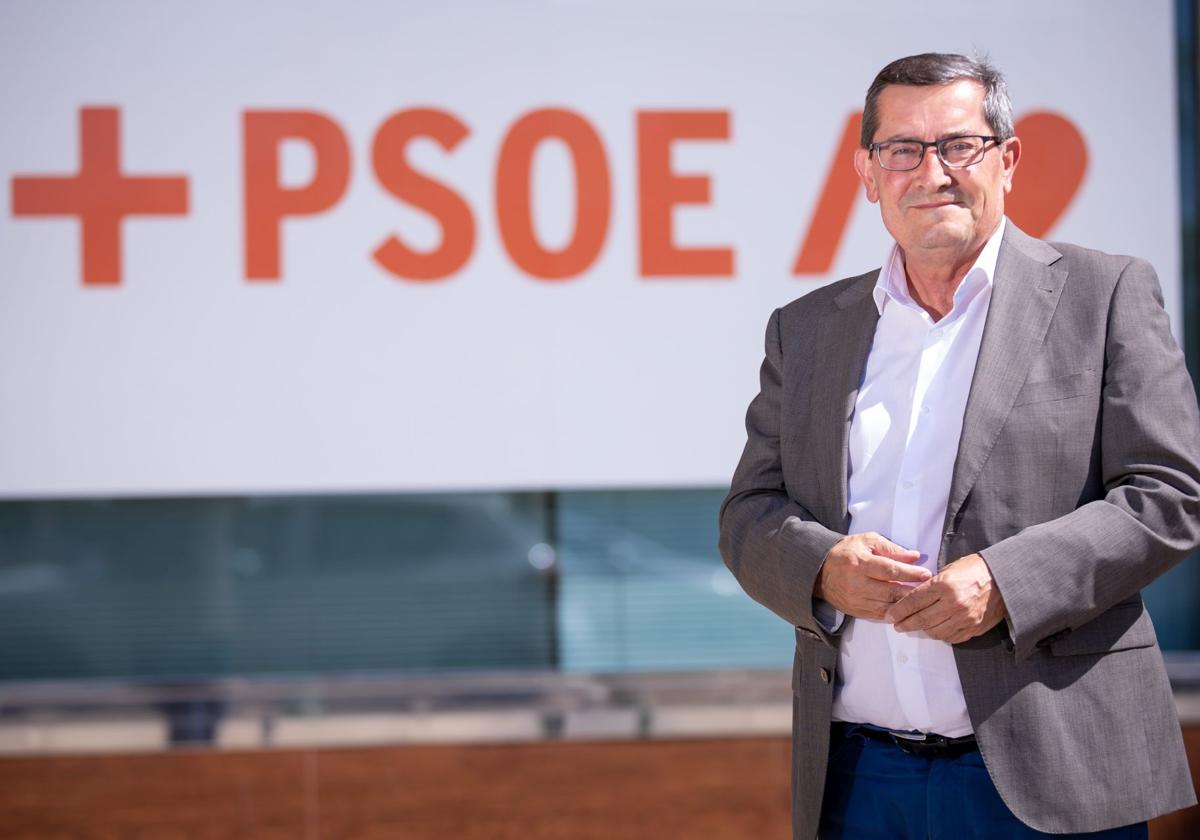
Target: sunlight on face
[(934, 211)]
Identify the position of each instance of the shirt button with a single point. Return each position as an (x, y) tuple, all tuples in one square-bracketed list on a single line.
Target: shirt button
[(907, 485), (924, 411), (825, 675), (902, 658)]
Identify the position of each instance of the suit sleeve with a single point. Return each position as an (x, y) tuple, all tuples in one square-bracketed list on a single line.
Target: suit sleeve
[(1061, 574), (773, 545)]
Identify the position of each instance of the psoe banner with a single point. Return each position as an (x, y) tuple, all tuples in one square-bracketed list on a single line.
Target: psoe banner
[(288, 247)]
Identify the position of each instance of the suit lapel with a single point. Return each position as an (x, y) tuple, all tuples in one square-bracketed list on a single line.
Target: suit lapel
[(845, 340), (1025, 294)]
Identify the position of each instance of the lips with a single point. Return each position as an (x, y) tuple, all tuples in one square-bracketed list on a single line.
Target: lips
[(933, 205)]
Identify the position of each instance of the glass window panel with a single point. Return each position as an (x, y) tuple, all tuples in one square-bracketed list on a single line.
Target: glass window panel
[(189, 588), (194, 587), (644, 588)]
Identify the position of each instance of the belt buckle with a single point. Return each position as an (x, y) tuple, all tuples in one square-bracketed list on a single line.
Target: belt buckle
[(914, 744), (934, 746)]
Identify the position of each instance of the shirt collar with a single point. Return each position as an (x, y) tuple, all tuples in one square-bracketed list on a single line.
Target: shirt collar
[(893, 283)]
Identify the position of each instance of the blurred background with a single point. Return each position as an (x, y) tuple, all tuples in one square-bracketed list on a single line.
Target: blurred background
[(372, 374)]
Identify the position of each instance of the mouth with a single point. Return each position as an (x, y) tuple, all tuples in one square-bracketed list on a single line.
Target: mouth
[(934, 205)]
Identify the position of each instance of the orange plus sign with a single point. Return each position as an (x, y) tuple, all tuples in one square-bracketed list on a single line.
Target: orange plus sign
[(100, 195)]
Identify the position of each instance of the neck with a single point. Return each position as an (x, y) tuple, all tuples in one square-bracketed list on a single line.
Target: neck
[(932, 283), (934, 275)]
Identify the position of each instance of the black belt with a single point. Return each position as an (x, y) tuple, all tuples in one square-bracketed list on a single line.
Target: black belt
[(925, 745)]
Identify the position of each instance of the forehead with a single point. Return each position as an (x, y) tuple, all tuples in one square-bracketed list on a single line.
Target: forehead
[(930, 111)]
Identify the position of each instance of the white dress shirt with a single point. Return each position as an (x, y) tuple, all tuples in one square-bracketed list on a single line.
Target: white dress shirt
[(903, 441)]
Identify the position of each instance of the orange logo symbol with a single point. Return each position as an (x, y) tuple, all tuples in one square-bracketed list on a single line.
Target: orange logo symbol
[(100, 195), (1053, 163)]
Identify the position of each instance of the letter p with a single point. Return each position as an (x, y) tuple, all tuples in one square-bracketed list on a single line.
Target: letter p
[(267, 201)]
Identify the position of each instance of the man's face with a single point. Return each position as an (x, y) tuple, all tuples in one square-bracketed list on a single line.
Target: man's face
[(933, 210)]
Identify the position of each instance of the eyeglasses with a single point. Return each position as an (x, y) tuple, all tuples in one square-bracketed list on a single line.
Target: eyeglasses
[(955, 152)]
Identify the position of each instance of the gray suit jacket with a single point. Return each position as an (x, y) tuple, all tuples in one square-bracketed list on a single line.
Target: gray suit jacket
[(1077, 478)]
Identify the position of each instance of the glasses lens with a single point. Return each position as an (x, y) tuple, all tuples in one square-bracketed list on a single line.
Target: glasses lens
[(961, 151), (900, 155)]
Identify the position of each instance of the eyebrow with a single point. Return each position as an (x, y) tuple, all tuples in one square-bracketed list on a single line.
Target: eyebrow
[(908, 138)]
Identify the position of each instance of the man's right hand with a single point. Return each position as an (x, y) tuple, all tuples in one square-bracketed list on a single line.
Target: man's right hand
[(864, 574)]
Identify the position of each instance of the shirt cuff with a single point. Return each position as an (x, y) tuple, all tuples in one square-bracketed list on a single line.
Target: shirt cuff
[(829, 617)]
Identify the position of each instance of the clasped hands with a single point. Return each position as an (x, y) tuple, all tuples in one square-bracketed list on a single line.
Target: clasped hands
[(869, 576)]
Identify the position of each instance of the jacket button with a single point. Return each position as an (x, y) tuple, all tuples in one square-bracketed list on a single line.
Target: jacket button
[(825, 675)]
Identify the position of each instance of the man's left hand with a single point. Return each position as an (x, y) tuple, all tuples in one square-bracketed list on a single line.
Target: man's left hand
[(958, 603)]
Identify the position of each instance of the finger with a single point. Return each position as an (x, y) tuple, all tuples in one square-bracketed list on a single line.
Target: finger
[(873, 608), (871, 589), (887, 548), (939, 612), (881, 568), (867, 598), (916, 601), (887, 593), (946, 631)]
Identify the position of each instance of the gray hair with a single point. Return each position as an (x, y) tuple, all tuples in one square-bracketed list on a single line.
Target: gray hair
[(941, 69)]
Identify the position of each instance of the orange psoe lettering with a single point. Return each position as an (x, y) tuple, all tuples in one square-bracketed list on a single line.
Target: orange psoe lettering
[(660, 189), (435, 198), (267, 202), (593, 195), (833, 208)]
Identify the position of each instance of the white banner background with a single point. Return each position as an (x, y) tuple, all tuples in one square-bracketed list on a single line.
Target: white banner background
[(187, 379)]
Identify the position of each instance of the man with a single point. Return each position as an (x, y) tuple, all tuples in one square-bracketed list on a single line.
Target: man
[(961, 470)]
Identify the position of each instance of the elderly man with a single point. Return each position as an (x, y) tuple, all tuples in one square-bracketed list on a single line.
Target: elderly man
[(961, 470)]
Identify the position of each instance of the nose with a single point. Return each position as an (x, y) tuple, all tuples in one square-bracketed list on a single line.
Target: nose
[(932, 174)]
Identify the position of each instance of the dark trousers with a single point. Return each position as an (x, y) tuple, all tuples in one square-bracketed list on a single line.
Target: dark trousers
[(876, 790)]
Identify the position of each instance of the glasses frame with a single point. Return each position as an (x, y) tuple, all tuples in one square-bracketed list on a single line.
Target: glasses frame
[(937, 146)]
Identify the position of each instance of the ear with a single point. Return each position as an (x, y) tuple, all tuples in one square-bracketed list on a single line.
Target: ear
[(1009, 156), (866, 174)]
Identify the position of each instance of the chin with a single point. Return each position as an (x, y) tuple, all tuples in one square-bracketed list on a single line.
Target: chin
[(943, 236)]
